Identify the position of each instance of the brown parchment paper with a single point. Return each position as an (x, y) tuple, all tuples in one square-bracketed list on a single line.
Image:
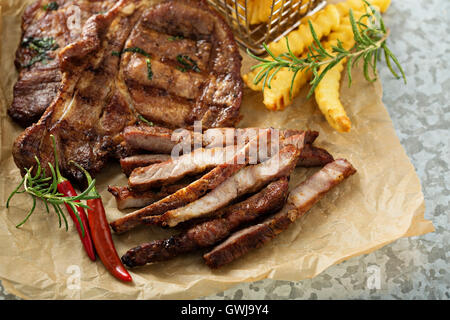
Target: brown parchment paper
[(381, 203)]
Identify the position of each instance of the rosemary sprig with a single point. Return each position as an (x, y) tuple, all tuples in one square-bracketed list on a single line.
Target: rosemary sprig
[(43, 187), (370, 35), (137, 50), (142, 52), (187, 64), (40, 46), (50, 6), (142, 119)]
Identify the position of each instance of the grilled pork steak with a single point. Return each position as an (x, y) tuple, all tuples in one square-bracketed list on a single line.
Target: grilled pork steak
[(45, 31), (300, 200), (94, 103), (187, 68), (208, 233)]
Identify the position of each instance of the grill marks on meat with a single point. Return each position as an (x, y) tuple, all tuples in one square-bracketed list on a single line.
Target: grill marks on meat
[(206, 234), (247, 180), (38, 84), (192, 192), (168, 47), (300, 200), (184, 40)]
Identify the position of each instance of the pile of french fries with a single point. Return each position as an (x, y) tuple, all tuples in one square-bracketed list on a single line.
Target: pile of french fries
[(330, 24)]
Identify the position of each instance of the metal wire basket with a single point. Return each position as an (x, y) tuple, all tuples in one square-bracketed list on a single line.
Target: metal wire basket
[(281, 17)]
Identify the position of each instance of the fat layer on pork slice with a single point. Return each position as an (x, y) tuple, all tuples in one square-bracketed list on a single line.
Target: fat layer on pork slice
[(175, 169), (128, 164), (207, 233), (300, 200), (188, 194), (247, 180)]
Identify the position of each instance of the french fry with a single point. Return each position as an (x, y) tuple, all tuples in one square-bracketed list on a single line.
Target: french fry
[(327, 91), (358, 5), (323, 22), (279, 95), (333, 22), (259, 11), (327, 98)]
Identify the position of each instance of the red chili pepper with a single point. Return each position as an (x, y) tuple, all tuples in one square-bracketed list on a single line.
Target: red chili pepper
[(101, 234), (103, 240), (80, 219)]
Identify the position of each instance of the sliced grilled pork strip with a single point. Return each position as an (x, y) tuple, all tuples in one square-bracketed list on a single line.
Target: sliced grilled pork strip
[(154, 139), (247, 180), (126, 198), (130, 163), (216, 137), (175, 169), (39, 79), (195, 162), (192, 192), (206, 234), (162, 140), (300, 200)]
